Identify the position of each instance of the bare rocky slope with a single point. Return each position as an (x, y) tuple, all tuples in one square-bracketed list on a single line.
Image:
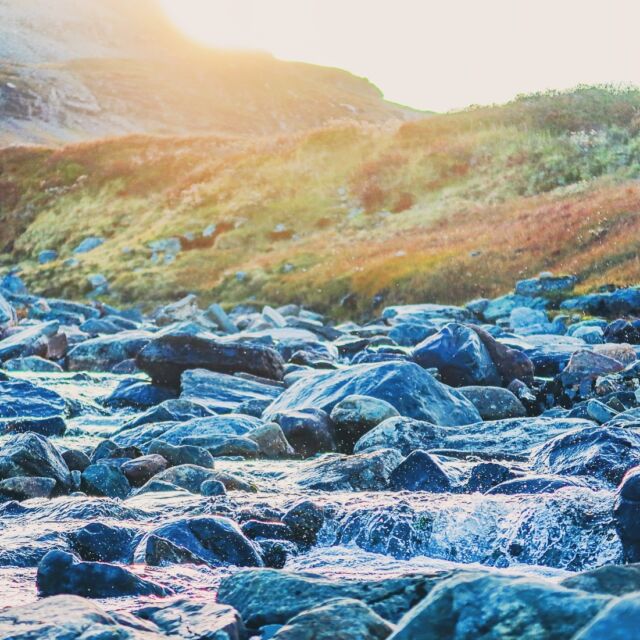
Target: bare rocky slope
[(97, 68)]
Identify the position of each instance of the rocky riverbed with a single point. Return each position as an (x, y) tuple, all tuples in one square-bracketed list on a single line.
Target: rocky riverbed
[(436, 472)]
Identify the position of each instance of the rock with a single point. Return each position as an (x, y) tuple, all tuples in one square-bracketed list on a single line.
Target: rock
[(224, 393), (229, 446), (211, 488), (140, 470), (8, 316), (211, 540), (622, 331), (545, 286), (178, 410), (264, 597), (623, 353), (425, 313), (12, 283), (32, 363), (76, 460), (588, 334), (182, 618), (62, 572), (501, 307), (98, 326), (599, 412), (614, 580), (494, 403), (99, 283), (619, 620), (165, 358), (419, 472), (30, 341), (524, 320), (137, 394), (53, 426), (620, 302), (587, 365), (103, 353), (99, 542), (271, 441), (181, 454), (186, 476), (471, 606), (256, 529), (29, 454), (309, 431), (184, 310), (605, 453), (353, 619), (47, 255), (486, 475), (409, 334), (626, 513), (205, 432), (355, 415), (304, 520), (25, 488), (359, 472), (224, 322), (404, 385), (459, 355), (104, 480), (89, 244), (23, 399)]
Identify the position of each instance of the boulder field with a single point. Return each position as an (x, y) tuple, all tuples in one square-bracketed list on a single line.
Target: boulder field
[(437, 471)]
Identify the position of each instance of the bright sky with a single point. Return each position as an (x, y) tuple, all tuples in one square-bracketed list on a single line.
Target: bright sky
[(435, 54)]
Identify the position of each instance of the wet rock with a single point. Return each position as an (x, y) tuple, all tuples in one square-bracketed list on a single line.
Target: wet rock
[(425, 313), (62, 572), (626, 513), (619, 620), (186, 476), (355, 415), (545, 285), (215, 541), (29, 341), (103, 353), (622, 331), (137, 394), (201, 430), (105, 480), (52, 426), (183, 310), (165, 358), (419, 471), (403, 434), (176, 455), (98, 542), (228, 446), (308, 431), (25, 488), (254, 529), (98, 326), (605, 453), (142, 469), (459, 355), (353, 619), (8, 316), (178, 410), (501, 307), (210, 488), (29, 454), (620, 302), (32, 363), (614, 580), (224, 393), (587, 365), (470, 606), (600, 412), (271, 441), (182, 618), (304, 520), (23, 399), (275, 553), (359, 472), (404, 385), (264, 597), (76, 460), (494, 403), (486, 475)]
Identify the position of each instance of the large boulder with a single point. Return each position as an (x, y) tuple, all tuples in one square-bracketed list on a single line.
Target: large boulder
[(166, 357), (103, 353), (620, 302), (212, 540), (494, 403), (468, 607), (459, 355), (420, 471), (404, 385), (30, 341), (308, 431), (619, 620), (354, 620), (62, 572), (29, 454), (224, 393), (601, 452), (266, 596)]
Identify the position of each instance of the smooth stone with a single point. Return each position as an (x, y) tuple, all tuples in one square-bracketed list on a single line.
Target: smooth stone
[(23, 399), (494, 403), (177, 455), (271, 441), (620, 620), (76, 460), (186, 476), (104, 480), (50, 426), (304, 520), (25, 488), (32, 363), (62, 572), (614, 580), (137, 394), (308, 431), (174, 410), (99, 542), (139, 470), (210, 488), (254, 529), (486, 475)]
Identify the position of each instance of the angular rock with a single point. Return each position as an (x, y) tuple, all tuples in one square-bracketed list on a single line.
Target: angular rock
[(103, 353), (419, 471), (271, 441)]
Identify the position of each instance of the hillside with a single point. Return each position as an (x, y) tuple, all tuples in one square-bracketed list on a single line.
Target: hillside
[(113, 67), (446, 208)]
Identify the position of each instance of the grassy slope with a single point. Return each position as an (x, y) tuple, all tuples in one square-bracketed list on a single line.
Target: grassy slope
[(446, 208)]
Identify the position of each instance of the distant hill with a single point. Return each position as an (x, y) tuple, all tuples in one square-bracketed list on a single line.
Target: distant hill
[(347, 217), (75, 70)]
